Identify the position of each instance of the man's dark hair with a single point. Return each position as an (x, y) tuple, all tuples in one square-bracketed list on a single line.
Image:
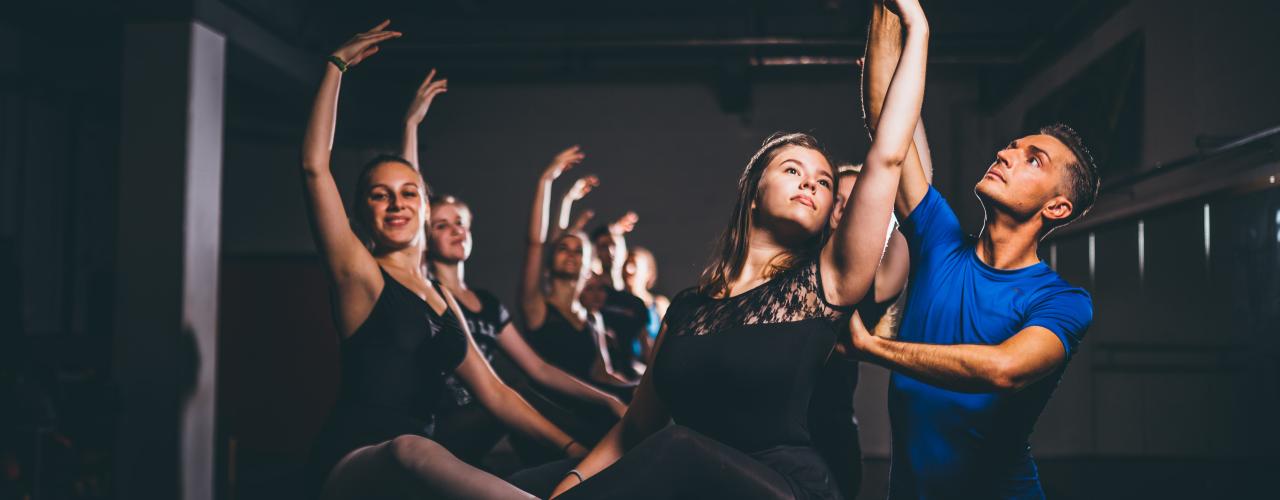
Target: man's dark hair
[(1083, 180)]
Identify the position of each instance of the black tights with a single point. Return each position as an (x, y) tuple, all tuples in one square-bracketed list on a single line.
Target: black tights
[(674, 463)]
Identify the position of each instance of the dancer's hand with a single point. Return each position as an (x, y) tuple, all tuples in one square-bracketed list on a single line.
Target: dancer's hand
[(564, 161), (859, 337), (363, 45), (580, 222), (624, 224), (583, 186), (423, 97)]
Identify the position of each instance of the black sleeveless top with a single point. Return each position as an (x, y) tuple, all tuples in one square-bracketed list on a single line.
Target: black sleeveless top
[(393, 372), (558, 342), (485, 325), (741, 370)]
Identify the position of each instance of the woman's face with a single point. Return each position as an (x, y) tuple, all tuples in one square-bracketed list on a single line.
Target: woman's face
[(795, 193), (449, 233), (638, 270), (396, 203), (566, 260)]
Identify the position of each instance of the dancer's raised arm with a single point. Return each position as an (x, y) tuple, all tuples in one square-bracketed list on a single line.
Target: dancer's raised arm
[(427, 92), (850, 259), (575, 193), (347, 260), (884, 48), (533, 301)]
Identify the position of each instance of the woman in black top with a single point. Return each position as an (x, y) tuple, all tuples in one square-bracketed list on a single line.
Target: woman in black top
[(739, 356), (464, 427), (559, 327), (401, 333)]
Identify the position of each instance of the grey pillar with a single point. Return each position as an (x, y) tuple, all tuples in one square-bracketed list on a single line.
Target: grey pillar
[(167, 268)]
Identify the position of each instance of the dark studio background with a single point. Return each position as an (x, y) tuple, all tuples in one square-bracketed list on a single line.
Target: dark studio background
[(164, 324)]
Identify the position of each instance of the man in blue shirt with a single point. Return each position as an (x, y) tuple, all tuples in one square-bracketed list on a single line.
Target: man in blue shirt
[(988, 328)]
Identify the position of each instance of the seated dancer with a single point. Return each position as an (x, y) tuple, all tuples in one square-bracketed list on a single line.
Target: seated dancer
[(558, 327), (988, 328), (401, 334), (640, 273), (738, 356), (465, 427), (832, 424), (625, 315)]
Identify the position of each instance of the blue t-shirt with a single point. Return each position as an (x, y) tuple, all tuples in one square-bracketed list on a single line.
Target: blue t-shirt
[(949, 444)]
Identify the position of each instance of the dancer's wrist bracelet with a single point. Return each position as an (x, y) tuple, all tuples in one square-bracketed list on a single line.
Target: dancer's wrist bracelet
[(338, 63), (575, 473), (565, 449)]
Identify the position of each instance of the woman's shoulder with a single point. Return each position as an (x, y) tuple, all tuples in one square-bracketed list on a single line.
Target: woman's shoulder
[(684, 301)]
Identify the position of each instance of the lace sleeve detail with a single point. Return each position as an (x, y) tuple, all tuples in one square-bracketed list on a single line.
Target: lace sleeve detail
[(792, 295)]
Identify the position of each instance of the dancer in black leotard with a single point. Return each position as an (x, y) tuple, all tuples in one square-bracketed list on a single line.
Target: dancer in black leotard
[(464, 426), (401, 334), (558, 325), (739, 356)]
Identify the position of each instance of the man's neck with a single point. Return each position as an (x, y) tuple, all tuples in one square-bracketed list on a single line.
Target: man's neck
[(1008, 244)]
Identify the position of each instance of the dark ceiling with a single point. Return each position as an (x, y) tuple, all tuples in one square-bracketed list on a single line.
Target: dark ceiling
[(1000, 41), (514, 40), (728, 44)]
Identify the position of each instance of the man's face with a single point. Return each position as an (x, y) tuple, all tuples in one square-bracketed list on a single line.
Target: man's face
[(1028, 177)]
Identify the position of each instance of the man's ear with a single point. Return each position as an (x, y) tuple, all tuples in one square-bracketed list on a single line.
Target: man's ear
[(1057, 209)]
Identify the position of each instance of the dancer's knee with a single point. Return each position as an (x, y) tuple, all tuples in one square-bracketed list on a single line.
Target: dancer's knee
[(409, 450)]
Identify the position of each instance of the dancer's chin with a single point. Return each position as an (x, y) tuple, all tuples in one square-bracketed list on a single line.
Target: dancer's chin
[(561, 275)]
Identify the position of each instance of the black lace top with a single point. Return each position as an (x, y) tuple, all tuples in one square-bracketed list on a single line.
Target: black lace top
[(793, 295), (742, 369)]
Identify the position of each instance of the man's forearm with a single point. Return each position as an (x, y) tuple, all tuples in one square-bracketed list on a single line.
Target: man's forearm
[(962, 367), (884, 47)]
